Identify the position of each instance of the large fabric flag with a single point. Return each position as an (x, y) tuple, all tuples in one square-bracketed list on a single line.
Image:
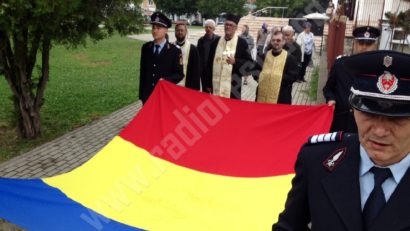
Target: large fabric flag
[(187, 161)]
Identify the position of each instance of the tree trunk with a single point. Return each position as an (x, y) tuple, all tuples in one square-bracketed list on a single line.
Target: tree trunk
[(29, 119), (18, 67), (28, 116), (29, 107)]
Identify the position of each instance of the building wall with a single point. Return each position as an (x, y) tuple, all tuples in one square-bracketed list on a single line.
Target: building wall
[(148, 7), (369, 10), (375, 9)]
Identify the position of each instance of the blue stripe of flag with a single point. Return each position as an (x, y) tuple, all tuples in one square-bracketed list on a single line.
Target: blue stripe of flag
[(34, 205)]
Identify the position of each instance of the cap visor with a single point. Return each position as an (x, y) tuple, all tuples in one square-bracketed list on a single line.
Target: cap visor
[(384, 107), (364, 38), (159, 24)]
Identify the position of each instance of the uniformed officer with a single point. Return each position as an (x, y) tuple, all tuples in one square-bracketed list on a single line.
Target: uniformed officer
[(337, 88), (159, 58), (359, 181)]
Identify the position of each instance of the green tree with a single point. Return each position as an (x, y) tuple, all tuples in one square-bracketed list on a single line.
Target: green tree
[(178, 7), (212, 8), (29, 28)]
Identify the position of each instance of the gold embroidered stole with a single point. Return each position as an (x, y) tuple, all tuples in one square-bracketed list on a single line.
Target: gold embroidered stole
[(270, 78), (222, 71), (185, 49)]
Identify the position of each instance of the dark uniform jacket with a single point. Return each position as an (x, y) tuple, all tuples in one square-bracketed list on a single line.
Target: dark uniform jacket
[(166, 65), (193, 73), (338, 88), (329, 197), (242, 67)]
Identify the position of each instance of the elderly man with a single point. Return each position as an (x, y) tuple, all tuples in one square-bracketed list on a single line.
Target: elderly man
[(229, 60), (159, 59), (337, 88), (190, 58), (359, 181), (279, 72), (291, 45), (204, 45)]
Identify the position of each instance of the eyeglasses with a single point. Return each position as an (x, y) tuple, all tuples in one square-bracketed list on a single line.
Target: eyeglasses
[(365, 42), (277, 40), (229, 25)]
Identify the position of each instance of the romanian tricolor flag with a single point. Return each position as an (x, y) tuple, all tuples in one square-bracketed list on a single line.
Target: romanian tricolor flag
[(187, 161)]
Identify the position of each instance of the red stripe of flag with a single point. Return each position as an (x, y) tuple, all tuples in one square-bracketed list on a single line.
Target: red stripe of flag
[(224, 136)]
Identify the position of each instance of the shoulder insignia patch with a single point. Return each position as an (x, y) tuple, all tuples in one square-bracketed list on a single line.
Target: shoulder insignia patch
[(327, 137), (335, 159)]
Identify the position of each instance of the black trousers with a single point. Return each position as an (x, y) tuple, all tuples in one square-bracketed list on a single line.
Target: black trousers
[(305, 63)]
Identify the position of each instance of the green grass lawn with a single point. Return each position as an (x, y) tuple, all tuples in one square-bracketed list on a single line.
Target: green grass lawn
[(85, 84), (314, 81)]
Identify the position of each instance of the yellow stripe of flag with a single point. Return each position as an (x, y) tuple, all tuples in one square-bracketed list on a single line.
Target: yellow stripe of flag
[(128, 184)]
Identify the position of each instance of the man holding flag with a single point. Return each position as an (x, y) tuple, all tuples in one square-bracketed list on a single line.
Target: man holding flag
[(359, 182), (159, 58), (337, 88)]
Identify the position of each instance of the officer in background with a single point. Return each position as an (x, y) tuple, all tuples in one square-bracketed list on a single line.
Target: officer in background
[(359, 181), (337, 88), (159, 58)]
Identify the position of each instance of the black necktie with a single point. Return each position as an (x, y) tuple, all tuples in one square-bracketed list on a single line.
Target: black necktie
[(156, 50), (376, 200)]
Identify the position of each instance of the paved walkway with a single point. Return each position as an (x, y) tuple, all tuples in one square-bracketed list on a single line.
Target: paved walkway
[(76, 147), (70, 150)]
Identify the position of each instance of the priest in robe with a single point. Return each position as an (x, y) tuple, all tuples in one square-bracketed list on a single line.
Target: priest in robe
[(280, 70), (190, 58), (229, 61)]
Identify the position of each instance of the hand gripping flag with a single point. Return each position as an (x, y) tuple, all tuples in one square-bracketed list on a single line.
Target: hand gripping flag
[(187, 161)]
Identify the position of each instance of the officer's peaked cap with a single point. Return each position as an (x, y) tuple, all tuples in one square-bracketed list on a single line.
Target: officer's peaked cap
[(381, 82), (160, 19), (366, 33)]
